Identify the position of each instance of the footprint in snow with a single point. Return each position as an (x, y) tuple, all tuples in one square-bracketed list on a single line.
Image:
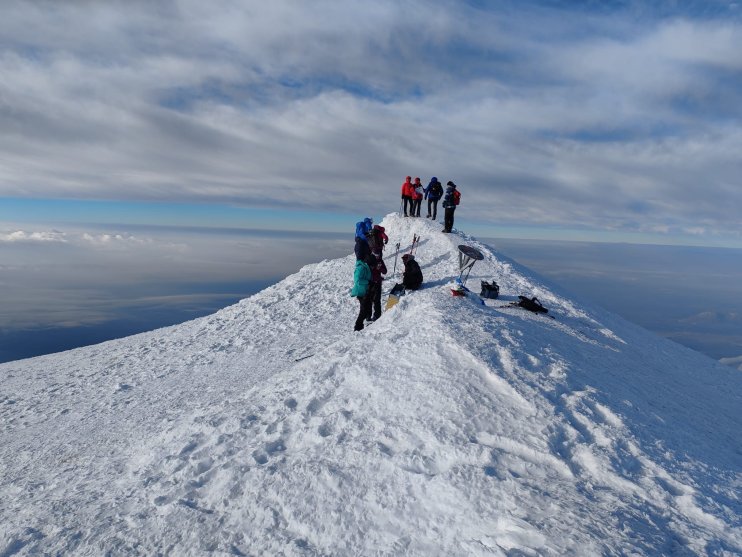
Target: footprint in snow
[(314, 406), (260, 457), (386, 449), (248, 421), (188, 449), (490, 471), (275, 447)]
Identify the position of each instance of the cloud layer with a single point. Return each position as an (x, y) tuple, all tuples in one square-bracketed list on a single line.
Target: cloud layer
[(76, 277), (622, 118)]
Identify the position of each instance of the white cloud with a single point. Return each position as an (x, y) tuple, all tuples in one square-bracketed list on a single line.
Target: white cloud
[(23, 236), (542, 117), (113, 239), (733, 362)]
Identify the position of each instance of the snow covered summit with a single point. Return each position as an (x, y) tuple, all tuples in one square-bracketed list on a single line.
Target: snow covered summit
[(447, 427)]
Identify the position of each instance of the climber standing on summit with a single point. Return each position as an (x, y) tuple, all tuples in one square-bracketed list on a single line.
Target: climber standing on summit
[(408, 190), (450, 201), (417, 197), (433, 193)]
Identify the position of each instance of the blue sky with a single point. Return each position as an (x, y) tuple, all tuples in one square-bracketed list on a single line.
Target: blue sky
[(582, 120)]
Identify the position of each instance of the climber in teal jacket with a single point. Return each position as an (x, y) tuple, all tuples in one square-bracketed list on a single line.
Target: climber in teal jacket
[(361, 280)]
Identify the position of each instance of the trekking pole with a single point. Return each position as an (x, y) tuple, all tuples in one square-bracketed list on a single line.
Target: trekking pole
[(415, 241), (394, 272), (400, 207), (415, 245)]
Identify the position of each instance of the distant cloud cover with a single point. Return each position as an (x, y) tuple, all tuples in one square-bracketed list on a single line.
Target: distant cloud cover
[(23, 236), (80, 277), (615, 116)]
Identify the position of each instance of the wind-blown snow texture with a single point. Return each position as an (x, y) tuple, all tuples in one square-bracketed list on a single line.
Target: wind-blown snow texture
[(447, 427)]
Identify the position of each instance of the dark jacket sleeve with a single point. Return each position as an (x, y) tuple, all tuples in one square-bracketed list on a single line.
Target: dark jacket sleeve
[(362, 250)]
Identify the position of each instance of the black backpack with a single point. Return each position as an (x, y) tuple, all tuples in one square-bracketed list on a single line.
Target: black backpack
[(490, 290), (531, 304), (375, 243)]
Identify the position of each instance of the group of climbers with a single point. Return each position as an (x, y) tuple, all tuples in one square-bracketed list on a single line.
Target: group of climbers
[(367, 278), (369, 270), (371, 239), (413, 193)]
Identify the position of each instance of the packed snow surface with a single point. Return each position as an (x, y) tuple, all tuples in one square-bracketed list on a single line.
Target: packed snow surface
[(447, 427)]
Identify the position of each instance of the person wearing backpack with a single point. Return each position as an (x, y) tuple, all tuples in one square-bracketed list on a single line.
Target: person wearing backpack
[(407, 191), (378, 268), (360, 290), (450, 201), (433, 192), (417, 197), (377, 239), (362, 229), (412, 278)]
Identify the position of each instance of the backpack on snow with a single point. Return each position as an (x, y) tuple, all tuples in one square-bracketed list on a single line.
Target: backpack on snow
[(490, 290), (531, 304)]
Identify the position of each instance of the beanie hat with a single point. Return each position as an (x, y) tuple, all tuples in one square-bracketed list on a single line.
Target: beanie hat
[(434, 179), (417, 180), (450, 183), (408, 178)]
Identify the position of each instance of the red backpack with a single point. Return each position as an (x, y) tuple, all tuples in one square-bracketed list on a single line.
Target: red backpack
[(456, 197)]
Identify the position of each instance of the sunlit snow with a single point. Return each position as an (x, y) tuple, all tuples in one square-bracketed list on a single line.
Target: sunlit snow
[(447, 427)]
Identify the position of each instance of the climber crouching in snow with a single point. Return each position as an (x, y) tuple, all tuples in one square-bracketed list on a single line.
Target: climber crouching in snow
[(361, 290), (412, 278)]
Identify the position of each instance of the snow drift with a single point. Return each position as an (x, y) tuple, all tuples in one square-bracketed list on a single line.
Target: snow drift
[(448, 427)]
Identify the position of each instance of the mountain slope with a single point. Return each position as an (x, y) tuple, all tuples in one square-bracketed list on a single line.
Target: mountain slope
[(445, 428)]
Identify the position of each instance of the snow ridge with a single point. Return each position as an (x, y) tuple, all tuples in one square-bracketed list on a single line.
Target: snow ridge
[(448, 427)]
